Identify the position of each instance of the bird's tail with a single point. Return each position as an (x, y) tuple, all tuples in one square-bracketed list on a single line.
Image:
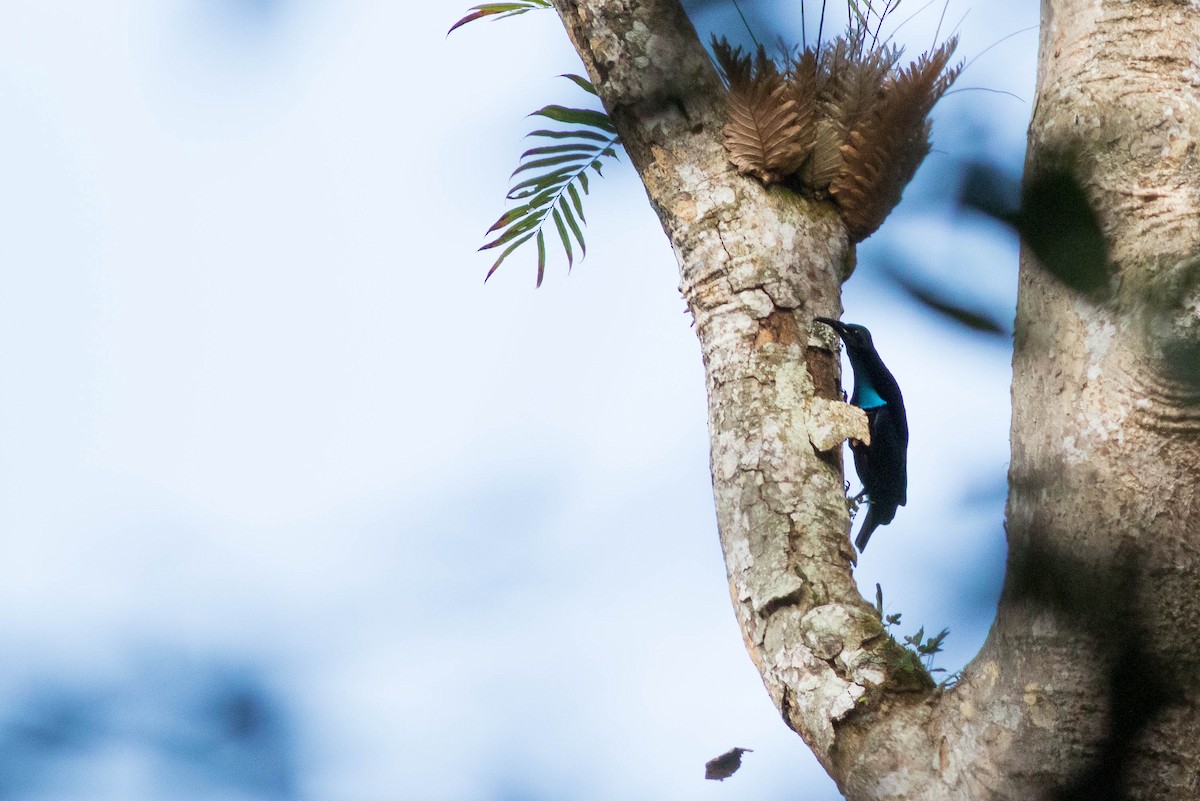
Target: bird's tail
[(877, 515), (864, 533)]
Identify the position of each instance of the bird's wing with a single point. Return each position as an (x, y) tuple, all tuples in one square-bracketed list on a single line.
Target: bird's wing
[(864, 465), (888, 460)]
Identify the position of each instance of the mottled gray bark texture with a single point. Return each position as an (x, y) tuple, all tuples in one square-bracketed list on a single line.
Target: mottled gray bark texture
[(1104, 524)]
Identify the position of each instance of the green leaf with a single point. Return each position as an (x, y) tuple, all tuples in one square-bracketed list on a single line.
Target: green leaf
[(915, 639), (574, 226), (515, 230), (499, 10), (577, 202), (577, 116), (547, 181), (572, 147), (540, 182), (539, 203), (529, 192), (582, 82), (580, 133), (541, 246), (934, 644), (550, 161), (566, 240), (504, 255), (508, 217)]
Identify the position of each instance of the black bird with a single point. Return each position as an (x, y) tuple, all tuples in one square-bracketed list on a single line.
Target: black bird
[(883, 465)]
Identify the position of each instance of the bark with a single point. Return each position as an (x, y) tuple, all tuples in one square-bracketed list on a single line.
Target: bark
[(1100, 614), (1092, 654)]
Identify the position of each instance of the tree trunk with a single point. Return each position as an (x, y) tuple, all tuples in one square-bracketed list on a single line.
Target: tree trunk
[(1092, 657), (1100, 615)]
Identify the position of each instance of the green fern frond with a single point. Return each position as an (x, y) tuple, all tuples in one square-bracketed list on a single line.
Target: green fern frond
[(499, 11), (558, 171)]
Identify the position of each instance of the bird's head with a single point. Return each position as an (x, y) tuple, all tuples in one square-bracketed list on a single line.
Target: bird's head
[(856, 337)]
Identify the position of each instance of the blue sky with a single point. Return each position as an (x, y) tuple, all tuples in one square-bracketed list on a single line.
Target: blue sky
[(264, 426)]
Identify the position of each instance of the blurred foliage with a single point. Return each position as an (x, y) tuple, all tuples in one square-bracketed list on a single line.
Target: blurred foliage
[(204, 728), (934, 299), (1142, 685), (1054, 218)]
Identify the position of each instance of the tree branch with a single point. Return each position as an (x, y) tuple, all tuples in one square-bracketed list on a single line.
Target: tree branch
[(756, 265)]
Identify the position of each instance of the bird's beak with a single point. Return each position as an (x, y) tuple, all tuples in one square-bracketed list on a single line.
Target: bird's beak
[(836, 325)]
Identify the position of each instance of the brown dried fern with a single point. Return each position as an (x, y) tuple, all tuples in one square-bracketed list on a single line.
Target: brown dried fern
[(849, 82), (764, 135), (856, 79), (884, 150), (802, 81), (843, 118), (826, 162)]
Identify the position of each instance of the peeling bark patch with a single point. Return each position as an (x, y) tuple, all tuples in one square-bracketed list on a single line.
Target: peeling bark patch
[(944, 755), (834, 422), (757, 301), (826, 646), (779, 327), (776, 603), (823, 628)]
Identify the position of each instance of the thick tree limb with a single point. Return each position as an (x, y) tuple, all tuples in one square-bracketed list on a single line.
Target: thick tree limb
[(756, 266), (1092, 660), (1104, 510)]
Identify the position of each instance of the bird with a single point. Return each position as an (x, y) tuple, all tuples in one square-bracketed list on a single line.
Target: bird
[(882, 466)]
